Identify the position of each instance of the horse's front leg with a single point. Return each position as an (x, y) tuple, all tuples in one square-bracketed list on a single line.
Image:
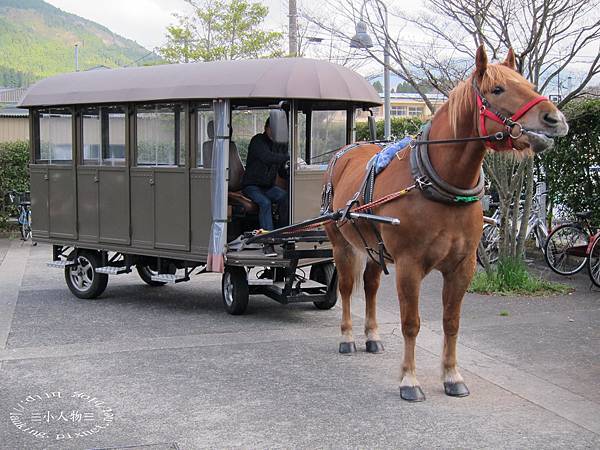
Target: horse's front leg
[(371, 278), (408, 282), (348, 266), (456, 283)]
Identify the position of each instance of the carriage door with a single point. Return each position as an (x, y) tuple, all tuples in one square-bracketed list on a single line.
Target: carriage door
[(102, 187), (160, 178), (53, 175), (319, 133)]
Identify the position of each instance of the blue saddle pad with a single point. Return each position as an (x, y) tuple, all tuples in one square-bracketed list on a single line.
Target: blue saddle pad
[(385, 156)]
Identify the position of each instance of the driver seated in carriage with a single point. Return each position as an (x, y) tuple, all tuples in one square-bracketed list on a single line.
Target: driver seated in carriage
[(265, 161)]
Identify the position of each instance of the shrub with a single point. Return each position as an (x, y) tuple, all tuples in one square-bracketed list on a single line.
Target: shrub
[(510, 277), (572, 168), (14, 173), (401, 126)]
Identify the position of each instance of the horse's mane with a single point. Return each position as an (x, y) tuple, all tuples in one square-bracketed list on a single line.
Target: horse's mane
[(462, 97)]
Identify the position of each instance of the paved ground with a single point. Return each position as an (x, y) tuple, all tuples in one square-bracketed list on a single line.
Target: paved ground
[(167, 368)]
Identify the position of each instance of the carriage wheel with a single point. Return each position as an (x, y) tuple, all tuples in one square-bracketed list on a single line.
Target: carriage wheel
[(594, 262), (565, 249), (82, 279), (234, 289), (325, 274)]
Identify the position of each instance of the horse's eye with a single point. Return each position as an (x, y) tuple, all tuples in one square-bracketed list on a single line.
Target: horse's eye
[(497, 90)]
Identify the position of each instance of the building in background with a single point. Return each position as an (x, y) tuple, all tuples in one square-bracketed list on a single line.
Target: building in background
[(14, 122), (405, 104)]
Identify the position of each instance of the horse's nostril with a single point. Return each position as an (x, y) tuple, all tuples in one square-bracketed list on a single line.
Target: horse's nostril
[(550, 120)]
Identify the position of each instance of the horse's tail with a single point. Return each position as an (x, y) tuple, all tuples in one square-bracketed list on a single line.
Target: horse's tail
[(358, 269), (350, 263)]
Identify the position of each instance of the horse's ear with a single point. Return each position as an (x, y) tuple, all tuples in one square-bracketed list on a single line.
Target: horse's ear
[(510, 61), (481, 61)]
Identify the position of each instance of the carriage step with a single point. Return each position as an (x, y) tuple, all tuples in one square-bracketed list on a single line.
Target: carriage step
[(112, 270), (260, 282), (168, 278), (279, 286), (60, 263)]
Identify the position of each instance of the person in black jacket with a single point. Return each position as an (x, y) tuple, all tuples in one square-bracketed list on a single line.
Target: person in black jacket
[(265, 160)]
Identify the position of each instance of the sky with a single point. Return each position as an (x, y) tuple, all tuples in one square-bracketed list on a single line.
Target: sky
[(145, 21)]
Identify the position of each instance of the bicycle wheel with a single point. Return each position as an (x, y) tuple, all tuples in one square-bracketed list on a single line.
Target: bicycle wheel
[(594, 261), (566, 249), (26, 227), (490, 239), (25, 231)]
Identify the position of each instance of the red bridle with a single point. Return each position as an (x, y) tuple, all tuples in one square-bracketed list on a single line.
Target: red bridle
[(485, 111)]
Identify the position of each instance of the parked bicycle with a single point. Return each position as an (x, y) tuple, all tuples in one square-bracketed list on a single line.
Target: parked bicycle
[(571, 245), (22, 202), (536, 228)]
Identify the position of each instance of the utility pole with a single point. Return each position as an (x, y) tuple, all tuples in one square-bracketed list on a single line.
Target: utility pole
[(76, 57), (293, 17)]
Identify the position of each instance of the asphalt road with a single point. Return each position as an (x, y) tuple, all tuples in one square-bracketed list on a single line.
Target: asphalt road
[(167, 368)]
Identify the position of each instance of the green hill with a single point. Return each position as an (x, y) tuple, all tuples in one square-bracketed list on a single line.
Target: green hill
[(37, 40)]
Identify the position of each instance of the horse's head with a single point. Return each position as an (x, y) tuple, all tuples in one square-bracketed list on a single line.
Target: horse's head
[(532, 120), (504, 101)]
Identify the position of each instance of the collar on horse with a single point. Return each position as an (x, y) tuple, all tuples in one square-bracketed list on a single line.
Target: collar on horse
[(430, 183)]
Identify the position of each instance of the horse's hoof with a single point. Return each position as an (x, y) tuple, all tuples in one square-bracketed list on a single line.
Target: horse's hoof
[(412, 393), (456, 389), (347, 347), (374, 347)]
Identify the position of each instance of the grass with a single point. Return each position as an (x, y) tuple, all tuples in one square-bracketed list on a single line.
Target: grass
[(510, 277)]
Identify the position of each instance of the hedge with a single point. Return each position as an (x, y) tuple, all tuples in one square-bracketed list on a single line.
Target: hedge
[(14, 173), (572, 168), (401, 126)]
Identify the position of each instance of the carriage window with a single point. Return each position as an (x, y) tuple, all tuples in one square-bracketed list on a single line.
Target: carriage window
[(55, 144), (245, 125), (327, 133), (103, 136), (160, 135), (205, 137)]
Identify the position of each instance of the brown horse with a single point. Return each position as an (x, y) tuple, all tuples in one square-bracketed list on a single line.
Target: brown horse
[(434, 235)]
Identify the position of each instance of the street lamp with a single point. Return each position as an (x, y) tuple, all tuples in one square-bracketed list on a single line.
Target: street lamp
[(362, 39)]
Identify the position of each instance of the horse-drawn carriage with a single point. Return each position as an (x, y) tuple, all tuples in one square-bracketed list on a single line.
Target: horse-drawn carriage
[(118, 181), (141, 168)]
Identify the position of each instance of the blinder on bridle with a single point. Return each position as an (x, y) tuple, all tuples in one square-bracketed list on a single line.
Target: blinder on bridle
[(487, 111)]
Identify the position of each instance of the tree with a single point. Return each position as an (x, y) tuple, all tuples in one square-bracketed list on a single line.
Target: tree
[(547, 36), (378, 87), (220, 29), (403, 86)]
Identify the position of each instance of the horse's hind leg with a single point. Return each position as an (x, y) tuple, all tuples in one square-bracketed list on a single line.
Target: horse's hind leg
[(349, 270), (407, 283), (371, 279), (455, 286)]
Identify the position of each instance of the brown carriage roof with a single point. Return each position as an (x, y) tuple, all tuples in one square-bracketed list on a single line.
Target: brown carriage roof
[(281, 78)]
